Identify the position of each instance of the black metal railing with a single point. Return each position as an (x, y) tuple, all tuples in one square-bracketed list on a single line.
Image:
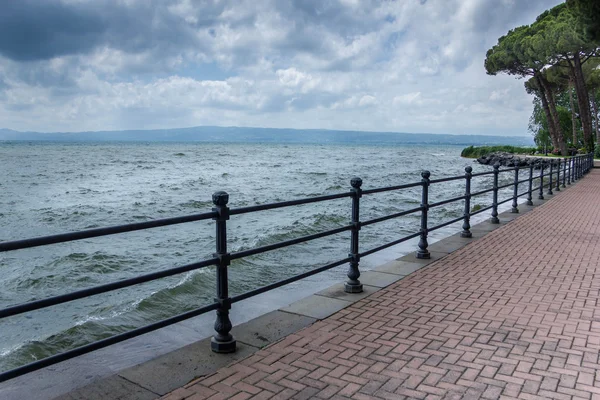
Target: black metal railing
[(223, 342)]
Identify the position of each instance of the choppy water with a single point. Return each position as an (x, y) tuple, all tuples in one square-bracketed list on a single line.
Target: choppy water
[(48, 188)]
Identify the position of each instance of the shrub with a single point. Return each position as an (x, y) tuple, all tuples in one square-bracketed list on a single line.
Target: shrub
[(476, 152)]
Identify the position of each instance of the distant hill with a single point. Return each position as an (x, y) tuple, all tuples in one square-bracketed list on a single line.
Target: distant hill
[(266, 135)]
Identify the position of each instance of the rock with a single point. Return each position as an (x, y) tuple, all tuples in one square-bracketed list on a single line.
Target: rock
[(513, 160)]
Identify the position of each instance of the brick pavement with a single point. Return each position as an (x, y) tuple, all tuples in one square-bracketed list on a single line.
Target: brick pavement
[(511, 315)]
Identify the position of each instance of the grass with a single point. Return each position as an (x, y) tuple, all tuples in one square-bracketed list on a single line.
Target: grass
[(476, 152)]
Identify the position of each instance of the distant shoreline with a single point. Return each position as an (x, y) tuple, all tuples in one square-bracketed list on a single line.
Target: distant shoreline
[(215, 134)]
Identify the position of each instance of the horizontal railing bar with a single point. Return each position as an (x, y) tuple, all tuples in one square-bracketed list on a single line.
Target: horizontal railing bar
[(452, 221), (482, 174), (34, 366), (523, 194), (481, 210), (504, 201), (523, 181), (286, 243), (482, 192), (52, 301), (507, 185), (441, 203), (391, 216), (91, 233), (390, 188), (453, 178), (283, 282), (272, 206), (390, 244)]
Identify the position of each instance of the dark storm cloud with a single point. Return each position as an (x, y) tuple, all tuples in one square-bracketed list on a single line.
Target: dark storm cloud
[(333, 15), (310, 18), (32, 30)]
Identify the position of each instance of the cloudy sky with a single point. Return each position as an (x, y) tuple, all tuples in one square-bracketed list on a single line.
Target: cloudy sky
[(405, 65)]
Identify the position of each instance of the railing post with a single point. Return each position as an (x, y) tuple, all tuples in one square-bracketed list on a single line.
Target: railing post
[(541, 195), (570, 171), (466, 232), (564, 173), (423, 252), (530, 191), (587, 163), (550, 177), (515, 209), (573, 169), (558, 176), (223, 341), (353, 285), (494, 219)]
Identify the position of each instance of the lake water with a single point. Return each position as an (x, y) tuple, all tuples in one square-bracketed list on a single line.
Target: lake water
[(49, 188)]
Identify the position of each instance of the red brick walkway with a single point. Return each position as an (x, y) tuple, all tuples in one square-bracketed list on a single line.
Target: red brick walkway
[(512, 315)]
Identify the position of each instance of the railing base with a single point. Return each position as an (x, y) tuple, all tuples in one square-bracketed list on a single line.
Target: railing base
[(494, 220), (423, 255), (466, 234), (353, 288), (223, 347), (514, 210)]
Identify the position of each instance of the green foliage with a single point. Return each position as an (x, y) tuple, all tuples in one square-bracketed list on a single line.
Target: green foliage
[(557, 33), (555, 50), (597, 151), (587, 13), (538, 124), (480, 151)]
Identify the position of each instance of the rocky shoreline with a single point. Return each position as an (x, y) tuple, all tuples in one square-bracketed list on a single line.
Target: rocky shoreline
[(515, 160)]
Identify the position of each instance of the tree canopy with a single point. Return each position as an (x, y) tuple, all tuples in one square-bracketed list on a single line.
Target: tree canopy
[(554, 52)]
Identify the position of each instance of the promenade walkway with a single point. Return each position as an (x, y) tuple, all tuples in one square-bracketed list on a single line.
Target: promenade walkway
[(511, 315)]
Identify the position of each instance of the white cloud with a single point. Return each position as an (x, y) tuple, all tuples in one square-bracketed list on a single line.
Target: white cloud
[(409, 98), (500, 95)]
